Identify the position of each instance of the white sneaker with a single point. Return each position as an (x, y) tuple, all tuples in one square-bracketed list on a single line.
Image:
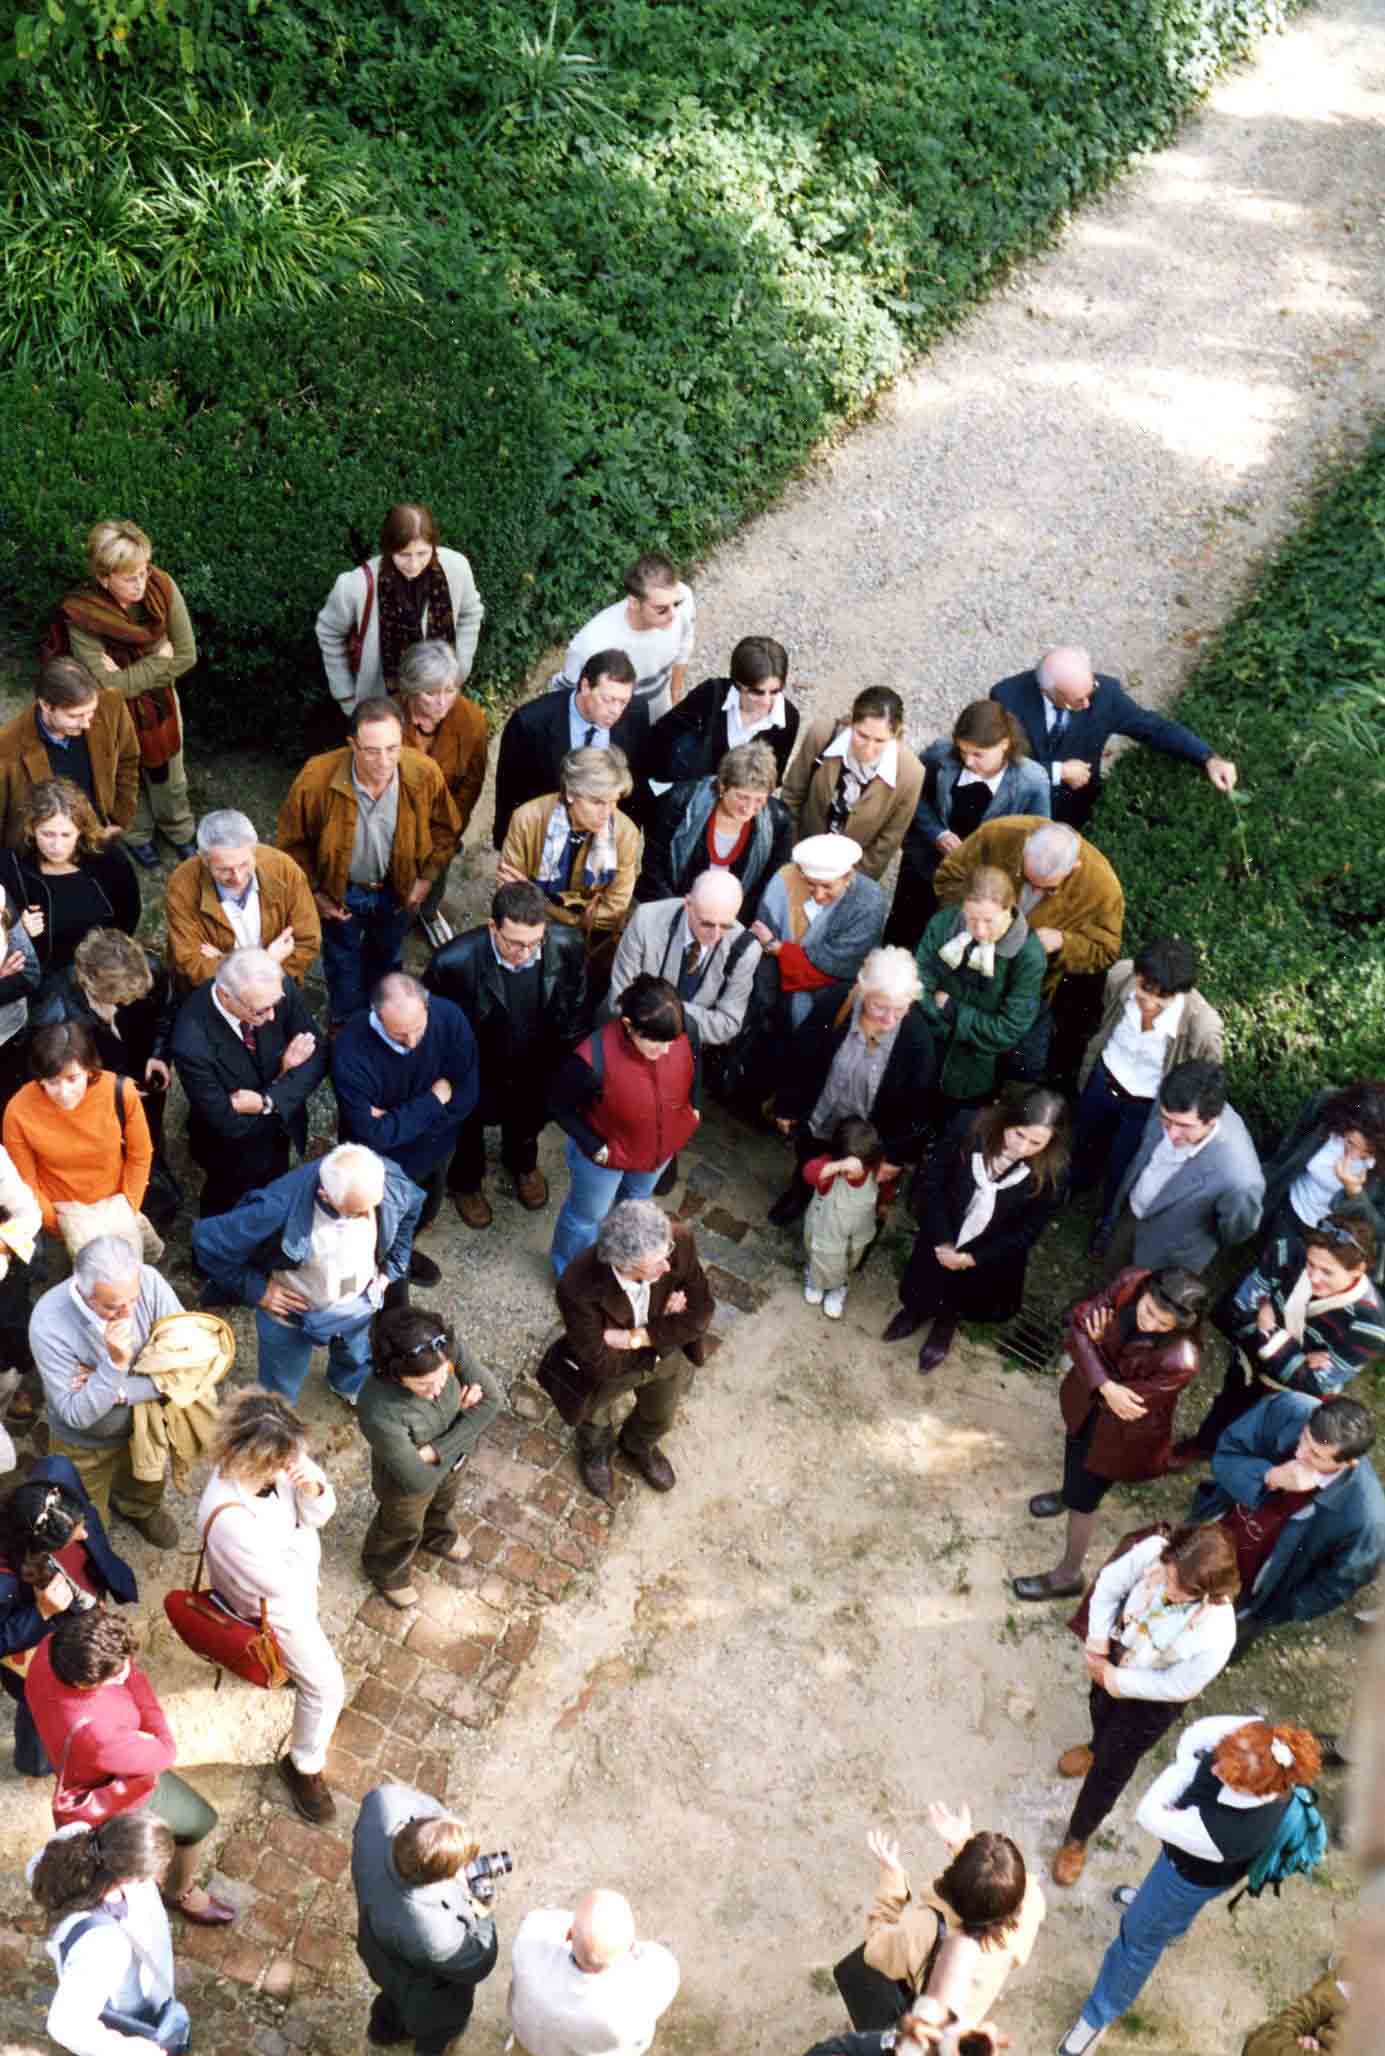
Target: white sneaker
[(1080, 2038), (811, 1292), (834, 1303)]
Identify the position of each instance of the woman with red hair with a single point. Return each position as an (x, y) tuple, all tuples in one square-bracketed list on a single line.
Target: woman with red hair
[(1216, 1809)]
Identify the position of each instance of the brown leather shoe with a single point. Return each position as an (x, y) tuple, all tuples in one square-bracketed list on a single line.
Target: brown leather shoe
[(1068, 1863), (531, 1190), (309, 1793), (474, 1208), (653, 1466), (1075, 1763)]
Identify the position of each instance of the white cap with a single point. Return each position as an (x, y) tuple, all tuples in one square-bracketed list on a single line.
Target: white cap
[(825, 858)]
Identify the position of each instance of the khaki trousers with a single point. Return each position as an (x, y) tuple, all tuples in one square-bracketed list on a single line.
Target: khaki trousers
[(108, 1480), (163, 805)]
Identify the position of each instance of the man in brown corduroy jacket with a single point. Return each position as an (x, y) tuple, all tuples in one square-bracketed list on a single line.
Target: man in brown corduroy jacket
[(76, 731), (238, 893)]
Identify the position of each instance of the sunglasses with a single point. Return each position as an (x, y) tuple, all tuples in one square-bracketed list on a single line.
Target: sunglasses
[(1338, 1232), (433, 1343)]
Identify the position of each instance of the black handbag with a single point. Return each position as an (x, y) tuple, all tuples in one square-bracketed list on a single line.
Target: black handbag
[(872, 2000)]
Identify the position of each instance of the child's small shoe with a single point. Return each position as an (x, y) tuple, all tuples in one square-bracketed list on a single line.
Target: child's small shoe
[(834, 1303), (811, 1292)]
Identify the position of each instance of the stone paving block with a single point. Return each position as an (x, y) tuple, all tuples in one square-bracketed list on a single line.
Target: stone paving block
[(399, 1759), (720, 1222), (279, 1982), (414, 1720), (272, 1920), (552, 1580), (486, 1545), (239, 1857), (472, 1708), (518, 1641), (541, 1450), (349, 1774), (313, 1848), (529, 1405), (704, 1182), (381, 1701), (729, 1286), (551, 1498), (746, 1261), (361, 1735), (461, 1655)]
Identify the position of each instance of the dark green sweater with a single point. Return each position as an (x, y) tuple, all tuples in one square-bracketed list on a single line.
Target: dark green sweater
[(397, 1424)]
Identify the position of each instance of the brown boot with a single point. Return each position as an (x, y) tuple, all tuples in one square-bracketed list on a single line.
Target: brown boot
[(531, 1190), (1075, 1763), (1068, 1863), (309, 1793), (652, 1465), (474, 1208)]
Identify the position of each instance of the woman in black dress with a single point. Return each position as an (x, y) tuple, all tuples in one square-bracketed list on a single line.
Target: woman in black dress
[(990, 1187), (69, 877)]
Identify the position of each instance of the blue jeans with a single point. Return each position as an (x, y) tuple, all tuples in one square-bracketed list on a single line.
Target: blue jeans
[(590, 1197), (1164, 1908), (1107, 1135), (286, 1352), (357, 953)]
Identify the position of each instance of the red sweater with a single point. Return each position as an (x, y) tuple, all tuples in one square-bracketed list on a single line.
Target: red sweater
[(125, 1734)]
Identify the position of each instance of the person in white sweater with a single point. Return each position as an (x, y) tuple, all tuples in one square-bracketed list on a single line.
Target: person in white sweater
[(656, 626), (111, 1945), (1162, 1624), (582, 1985), (414, 591), (260, 1515)]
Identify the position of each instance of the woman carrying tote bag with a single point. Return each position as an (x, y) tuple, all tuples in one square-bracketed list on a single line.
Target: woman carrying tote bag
[(111, 1945)]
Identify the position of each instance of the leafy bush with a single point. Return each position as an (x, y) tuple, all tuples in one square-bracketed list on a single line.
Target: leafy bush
[(1284, 894), (261, 460)]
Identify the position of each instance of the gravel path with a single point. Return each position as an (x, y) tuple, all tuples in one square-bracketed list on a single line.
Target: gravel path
[(1105, 450)]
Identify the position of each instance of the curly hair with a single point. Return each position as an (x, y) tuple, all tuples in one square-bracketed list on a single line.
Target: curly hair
[(57, 797), (258, 1436), (88, 1648), (1245, 1759)]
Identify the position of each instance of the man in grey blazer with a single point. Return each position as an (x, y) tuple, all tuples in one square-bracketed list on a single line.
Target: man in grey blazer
[(699, 946), (1193, 1186)]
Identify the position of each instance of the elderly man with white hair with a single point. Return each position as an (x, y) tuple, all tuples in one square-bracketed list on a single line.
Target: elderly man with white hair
[(1074, 904), (85, 1335), (628, 1303), (1070, 712), (581, 1984), (317, 1254), (249, 1056), (238, 893)]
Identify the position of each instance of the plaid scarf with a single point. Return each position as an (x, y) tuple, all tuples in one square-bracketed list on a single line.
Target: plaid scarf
[(406, 604), (560, 846), (93, 610)]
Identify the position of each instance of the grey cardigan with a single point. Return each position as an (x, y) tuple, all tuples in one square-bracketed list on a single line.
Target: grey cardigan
[(1213, 1202), (1199, 1031)]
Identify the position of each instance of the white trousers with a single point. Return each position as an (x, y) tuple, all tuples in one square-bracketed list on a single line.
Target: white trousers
[(320, 1691)]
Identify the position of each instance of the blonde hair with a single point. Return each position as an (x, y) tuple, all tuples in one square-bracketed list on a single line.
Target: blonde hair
[(115, 546), (595, 774), (425, 1852), (111, 968), (991, 884)]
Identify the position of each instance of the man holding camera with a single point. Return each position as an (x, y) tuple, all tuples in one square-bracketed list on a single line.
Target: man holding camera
[(425, 1931)]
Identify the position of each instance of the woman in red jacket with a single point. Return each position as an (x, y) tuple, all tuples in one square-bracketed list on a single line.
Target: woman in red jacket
[(1133, 1347), (625, 1097), (99, 1721)]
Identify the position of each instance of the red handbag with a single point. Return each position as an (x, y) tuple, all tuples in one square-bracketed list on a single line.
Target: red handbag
[(212, 1631), (93, 1804), (355, 641)]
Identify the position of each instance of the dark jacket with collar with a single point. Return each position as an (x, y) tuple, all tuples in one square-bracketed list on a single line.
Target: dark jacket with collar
[(691, 739), (1296, 1150), (985, 1016), (465, 972), (591, 1299), (1155, 1367), (142, 1030), (272, 1230), (1329, 1549), (1210, 1203), (22, 1626), (415, 1129), (1111, 712), (1025, 788), (398, 1423), (422, 1944), (212, 1062), (946, 1186), (675, 848), (900, 1110), (538, 736)]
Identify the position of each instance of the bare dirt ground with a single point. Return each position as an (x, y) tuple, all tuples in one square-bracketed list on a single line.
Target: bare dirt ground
[(813, 1632)]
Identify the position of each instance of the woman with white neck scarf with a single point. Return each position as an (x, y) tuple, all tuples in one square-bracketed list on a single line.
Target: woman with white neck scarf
[(982, 969), (989, 1189)]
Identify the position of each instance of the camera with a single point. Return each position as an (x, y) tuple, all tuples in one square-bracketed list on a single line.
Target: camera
[(484, 1872), (40, 1571)]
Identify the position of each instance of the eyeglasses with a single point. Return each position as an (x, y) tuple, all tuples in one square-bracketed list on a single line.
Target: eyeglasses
[(1338, 1232)]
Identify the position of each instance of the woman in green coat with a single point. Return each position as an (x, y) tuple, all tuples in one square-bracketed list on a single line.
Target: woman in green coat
[(981, 969)]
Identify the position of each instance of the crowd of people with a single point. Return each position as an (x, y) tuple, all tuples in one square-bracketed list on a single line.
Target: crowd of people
[(690, 900)]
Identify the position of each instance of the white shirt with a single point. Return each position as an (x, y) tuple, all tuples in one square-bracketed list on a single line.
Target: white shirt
[(1158, 1812), (342, 1262), (738, 730), (244, 921), (1172, 1652), (1168, 1158), (556, 2009), (974, 778), (267, 1548), (227, 1016), (103, 1970), (1135, 1055), (652, 651), (1051, 714), (886, 767), (1317, 1188), (578, 726), (637, 1291)]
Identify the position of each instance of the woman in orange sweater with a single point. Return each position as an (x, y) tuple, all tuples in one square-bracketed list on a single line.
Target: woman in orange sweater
[(63, 1132)]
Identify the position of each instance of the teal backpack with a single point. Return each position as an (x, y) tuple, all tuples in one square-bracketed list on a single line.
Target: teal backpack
[(1299, 1846)]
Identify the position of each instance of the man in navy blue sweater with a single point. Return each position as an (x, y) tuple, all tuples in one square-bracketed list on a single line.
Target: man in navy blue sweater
[(406, 1077)]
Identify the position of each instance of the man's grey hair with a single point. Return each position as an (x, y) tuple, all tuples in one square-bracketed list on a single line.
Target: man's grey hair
[(1052, 851), (893, 974), (226, 829), (107, 1260), (595, 775), (242, 968), (397, 985), (1062, 657), (428, 667), (351, 1167), (632, 1231)]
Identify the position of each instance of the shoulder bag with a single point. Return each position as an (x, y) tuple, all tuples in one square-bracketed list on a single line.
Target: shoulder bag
[(355, 641), (251, 1652), (169, 2027), (874, 2001)]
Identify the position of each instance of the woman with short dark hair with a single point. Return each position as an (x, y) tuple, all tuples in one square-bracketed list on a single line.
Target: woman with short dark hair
[(721, 714), (857, 776)]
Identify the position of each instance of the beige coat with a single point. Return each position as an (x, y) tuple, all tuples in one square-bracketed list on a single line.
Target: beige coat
[(187, 1355), (1088, 907), (1199, 1036), (901, 1927), (194, 915), (524, 840), (879, 821)]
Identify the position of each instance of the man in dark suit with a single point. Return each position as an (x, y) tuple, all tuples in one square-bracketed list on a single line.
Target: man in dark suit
[(249, 1055), (628, 1303), (1069, 713), (521, 981), (595, 714)]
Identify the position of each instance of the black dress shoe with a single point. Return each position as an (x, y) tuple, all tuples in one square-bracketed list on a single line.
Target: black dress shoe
[(1046, 1506), (595, 1467), (791, 1205), (903, 1325), (1099, 1241), (1047, 1587), (423, 1270), (143, 853)]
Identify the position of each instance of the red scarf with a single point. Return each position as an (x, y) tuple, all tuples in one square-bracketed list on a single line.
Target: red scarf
[(93, 610)]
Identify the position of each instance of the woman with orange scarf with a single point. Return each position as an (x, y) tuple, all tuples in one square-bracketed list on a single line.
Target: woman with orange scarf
[(129, 625)]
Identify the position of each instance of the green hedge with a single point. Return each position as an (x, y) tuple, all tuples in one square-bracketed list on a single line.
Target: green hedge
[(1284, 894), (261, 459)]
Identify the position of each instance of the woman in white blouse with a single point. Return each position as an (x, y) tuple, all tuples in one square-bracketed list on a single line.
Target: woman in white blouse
[(111, 1945), (260, 1516), (413, 591)]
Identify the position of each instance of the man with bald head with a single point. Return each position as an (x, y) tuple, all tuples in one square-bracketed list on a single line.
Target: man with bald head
[(582, 1985), (1070, 712), (698, 944), (406, 1078)]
